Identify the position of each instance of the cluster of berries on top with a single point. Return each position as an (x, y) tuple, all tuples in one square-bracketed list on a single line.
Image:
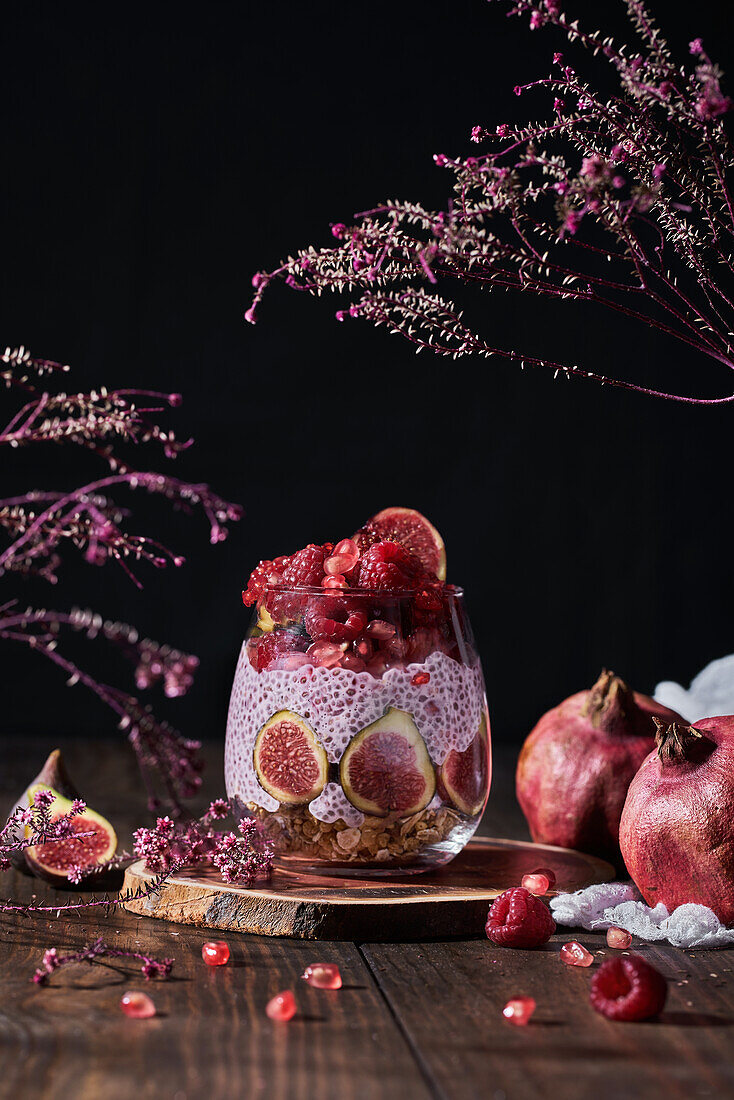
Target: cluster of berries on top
[(349, 622)]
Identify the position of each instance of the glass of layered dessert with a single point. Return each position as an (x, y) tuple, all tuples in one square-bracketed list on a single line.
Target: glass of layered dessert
[(357, 731)]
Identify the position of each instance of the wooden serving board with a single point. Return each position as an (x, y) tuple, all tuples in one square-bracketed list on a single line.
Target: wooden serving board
[(452, 901)]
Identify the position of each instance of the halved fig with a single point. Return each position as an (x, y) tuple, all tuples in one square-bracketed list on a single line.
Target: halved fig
[(53, 860), (52, 774), (413, 531), (289, 759), (463, 776), (386, 768)]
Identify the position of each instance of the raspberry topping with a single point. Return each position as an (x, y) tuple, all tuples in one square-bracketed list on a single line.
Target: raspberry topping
[(334, 619), (260, 578), (307, 566), (388, 566), (518, 919), (628, 988)]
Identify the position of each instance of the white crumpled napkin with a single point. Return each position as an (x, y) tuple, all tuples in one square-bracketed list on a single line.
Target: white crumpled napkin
[(620, 904), (710, 693)]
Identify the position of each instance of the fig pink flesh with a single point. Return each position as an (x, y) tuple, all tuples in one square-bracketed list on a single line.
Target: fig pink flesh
[(676, 830), (384, 770)]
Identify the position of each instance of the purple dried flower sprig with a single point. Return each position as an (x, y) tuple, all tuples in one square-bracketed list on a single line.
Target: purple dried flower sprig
[(39, 525), (32, 825), (53, 961), (623, 201), (169, 845)]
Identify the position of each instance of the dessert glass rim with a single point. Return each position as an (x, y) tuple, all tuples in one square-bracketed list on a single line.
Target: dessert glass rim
[(365, 593)]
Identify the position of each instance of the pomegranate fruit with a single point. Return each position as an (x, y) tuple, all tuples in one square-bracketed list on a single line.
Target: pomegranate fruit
[(576, 765), (676, 831)]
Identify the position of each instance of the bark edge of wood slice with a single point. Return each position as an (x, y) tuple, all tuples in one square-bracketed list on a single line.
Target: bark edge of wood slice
[(452, 901)]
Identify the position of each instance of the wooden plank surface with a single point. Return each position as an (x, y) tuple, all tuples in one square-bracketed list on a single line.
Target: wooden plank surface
[(451, 901), (414, 1019)]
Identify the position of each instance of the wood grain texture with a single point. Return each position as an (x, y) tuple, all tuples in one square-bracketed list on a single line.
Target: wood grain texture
[(414, 1020), (449, 996), (449, 902)]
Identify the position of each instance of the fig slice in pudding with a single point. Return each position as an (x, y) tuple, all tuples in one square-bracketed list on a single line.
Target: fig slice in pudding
[(290, 762), (462, 778), (386, 768)]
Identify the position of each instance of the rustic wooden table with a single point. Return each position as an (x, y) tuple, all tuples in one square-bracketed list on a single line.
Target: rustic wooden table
[(413, 1020)]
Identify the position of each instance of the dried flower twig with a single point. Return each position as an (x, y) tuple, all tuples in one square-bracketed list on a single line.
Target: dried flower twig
[(52, 961), (40, 524), (622, 201)]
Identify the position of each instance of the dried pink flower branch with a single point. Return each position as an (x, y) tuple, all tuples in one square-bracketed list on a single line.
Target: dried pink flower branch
[(52, 961), (39, 524), (622, 201)]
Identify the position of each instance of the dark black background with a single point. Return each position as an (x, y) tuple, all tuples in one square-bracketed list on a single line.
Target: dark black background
[(154, 158)]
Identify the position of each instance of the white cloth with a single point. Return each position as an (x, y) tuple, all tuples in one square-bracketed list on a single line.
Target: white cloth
[(620, 904), (710, 693)]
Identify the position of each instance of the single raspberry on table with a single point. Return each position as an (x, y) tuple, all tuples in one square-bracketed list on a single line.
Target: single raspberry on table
[(628, 988), (333, 619), (389, 566), (518, 919), (265, 651)]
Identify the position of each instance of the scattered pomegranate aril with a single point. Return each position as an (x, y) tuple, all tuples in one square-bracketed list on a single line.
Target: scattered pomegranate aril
[(215, 953), (628, 988), (536, 883), (618, 938), (138, 1006), (575, 954), (380, 630), (323, 976), (282, 1006), (420, 678), (519, 1010)]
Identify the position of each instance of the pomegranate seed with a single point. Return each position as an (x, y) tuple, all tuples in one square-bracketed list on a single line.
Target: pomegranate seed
[(293, 661), (215, 953), (618, 937), (323, 976), (354, 664), (282, 1006), (380, 630), (340, 563), (575, 954), (536, 883), (334, 582), (420, 678), (519, 1010), (325, 654), (364, 648), (347, 548), (137, 1005)]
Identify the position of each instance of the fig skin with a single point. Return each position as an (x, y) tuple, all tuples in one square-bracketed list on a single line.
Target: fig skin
[(577, 763), (52, 774), (676, 832)]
